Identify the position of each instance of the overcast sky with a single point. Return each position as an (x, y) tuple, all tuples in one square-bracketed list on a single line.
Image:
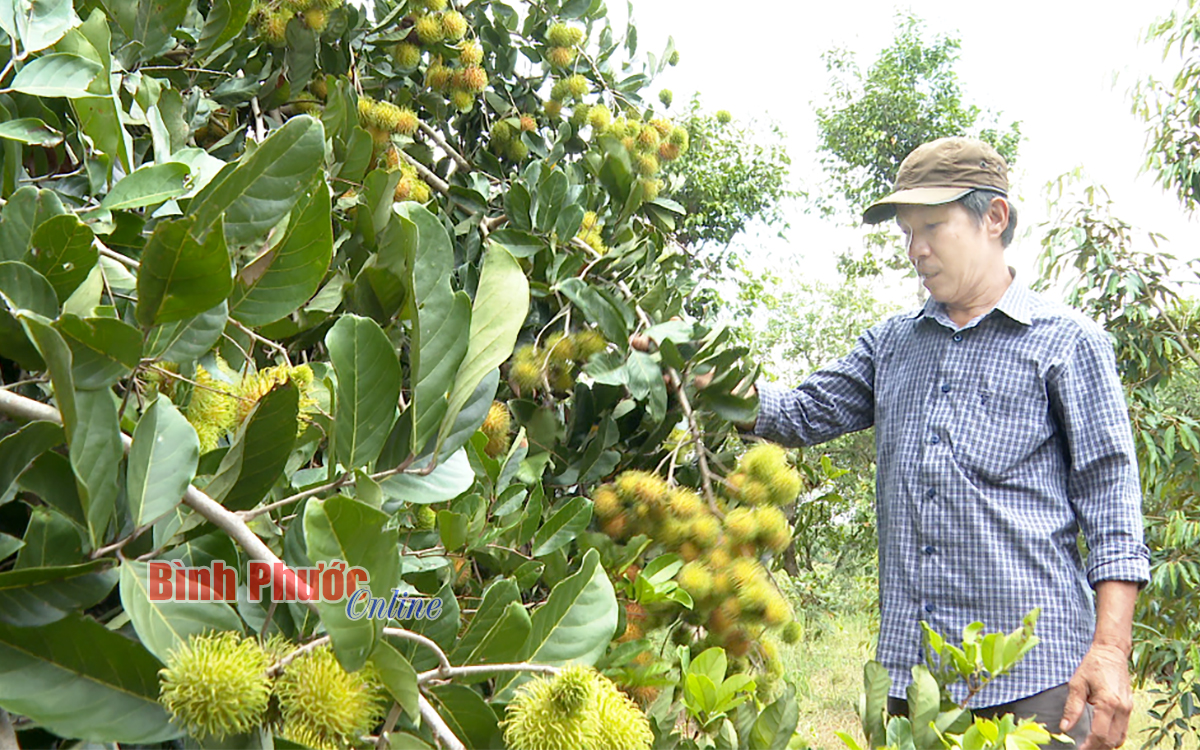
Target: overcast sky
[(1062, 68)]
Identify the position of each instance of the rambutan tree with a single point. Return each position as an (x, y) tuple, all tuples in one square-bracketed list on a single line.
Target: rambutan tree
[(284, 282)]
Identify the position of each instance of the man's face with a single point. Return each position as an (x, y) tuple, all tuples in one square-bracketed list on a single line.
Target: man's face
[(951, 252)]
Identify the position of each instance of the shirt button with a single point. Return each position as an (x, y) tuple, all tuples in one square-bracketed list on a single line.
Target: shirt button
[(935, 440), (945, 387), (932, 493), (929, 550), (957, 337), (928, 607)]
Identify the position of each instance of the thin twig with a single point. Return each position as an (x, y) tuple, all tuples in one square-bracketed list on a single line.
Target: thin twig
[(441, 731), (437, 183), (441, 141), (342, 481), (113, 255), (408, 635), (19, 383), (477, 669), (120, 544), (388, 724), (263, 340), (8, 736)]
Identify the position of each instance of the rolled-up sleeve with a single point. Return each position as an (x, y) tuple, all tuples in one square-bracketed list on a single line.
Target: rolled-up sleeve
[(830, 402), (1102, 479)]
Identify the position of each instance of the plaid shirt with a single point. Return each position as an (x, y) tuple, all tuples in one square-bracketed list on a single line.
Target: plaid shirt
[(995, 444)]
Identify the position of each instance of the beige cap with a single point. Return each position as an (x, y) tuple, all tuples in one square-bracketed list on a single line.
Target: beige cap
[(942, 171)]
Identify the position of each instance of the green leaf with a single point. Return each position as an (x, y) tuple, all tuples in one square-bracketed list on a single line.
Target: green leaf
[(32, 597), (287, 275), (165, 625), (18, 449), (106, 692), (501, 642), (25, 211), (162, 462), (187, 340), (37, 23), (103, 350), (399, 677), (497, 314), (254, 193), (876, 683), (496, 598), (96, 452), (63, 252), (595, 308), (30, 131), (450, 479), (777, 723), (452, 528), (56, 75), (153, 26), (183, 273), (8, 545), (562, 527), (225, 20), (343, 529), (576, 623), (23, 288), (260, 451), (368, 388), (50, 478), (924, 704), (148, 186), (468, 715), (441, 318)]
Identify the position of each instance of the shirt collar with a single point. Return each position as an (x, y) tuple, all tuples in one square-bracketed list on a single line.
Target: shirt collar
[(1017, 303)]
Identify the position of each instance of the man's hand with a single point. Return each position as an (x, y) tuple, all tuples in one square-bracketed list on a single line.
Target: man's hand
[(1102, 680)]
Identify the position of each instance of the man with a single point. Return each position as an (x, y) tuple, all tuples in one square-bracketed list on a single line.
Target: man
[(1001, 431)]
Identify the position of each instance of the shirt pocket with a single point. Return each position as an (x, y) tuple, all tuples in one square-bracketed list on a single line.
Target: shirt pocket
[(1003, 426)]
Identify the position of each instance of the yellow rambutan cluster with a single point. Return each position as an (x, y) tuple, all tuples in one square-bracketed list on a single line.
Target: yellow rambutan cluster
[(764, 476), (382, 119), (589, 232), (554, 362), (496, 427), (213, 408), (325, 707), (216, 685), (410, 187), (577, 708), (271, 19)]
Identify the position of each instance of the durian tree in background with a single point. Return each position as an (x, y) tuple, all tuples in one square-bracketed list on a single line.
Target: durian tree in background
[(285, 282)]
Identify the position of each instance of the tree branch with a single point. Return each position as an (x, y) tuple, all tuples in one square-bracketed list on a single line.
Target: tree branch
[(445, 146), (437, 183), (476, 669), (8, 736)]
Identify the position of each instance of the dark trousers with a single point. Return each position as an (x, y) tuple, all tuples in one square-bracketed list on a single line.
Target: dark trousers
[(1046, 707)]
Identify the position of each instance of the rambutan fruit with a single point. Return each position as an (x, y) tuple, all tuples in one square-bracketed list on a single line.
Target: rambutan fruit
[(668, 151), (496, 426), (552, 108), (724, 117), (577, 85), (559, 35), (407, 56), (438, 77), (470, 53), (685, 503), (666, 97), (323, 705), (705, 530), (429, 29), (316, 19), (471, 78), (696, 579), (792, 632), (215, 684), (741, 525), (454, 25), (463, 101), (605, 502), (560, 57), (673, 60), (528, 124), (599, 117)]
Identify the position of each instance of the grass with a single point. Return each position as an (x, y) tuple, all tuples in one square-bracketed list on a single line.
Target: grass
[(827, 667)]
